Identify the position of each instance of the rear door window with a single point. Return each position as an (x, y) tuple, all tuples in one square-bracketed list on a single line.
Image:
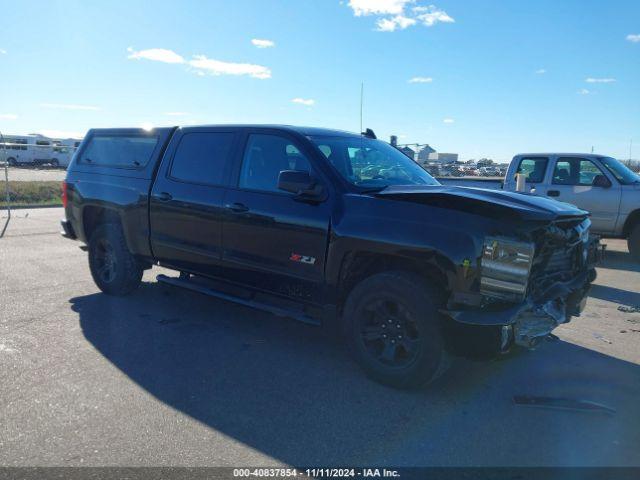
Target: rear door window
[(575, 171), (533, 168), (202, 157), (127, 151)]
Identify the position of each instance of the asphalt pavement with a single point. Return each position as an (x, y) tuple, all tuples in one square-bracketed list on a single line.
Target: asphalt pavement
[(170, 377)]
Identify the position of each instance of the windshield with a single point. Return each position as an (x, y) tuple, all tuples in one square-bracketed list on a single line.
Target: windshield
[(371, 163), (622, 173)]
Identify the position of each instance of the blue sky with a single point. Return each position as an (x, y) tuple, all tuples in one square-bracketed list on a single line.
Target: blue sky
[(491, 78)]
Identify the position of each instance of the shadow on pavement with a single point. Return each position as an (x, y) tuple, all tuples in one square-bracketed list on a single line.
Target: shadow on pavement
[(618, 260), (286, 390), (616, 295)]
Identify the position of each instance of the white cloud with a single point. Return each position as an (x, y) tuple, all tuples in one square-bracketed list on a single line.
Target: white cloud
[(393, 23), (217, 67), (584, 91), (3, 51), (156, 55), (396, 16), (176, 114), (378, 7), (635, 38), (201, 64), (599, 80), (67, 106), (431, 15), (309, 102), (448, 120), (8, 116), (263, 43), (541, 71), (421, 80)]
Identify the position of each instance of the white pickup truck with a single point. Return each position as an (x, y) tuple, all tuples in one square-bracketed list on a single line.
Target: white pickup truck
[(599, 184)]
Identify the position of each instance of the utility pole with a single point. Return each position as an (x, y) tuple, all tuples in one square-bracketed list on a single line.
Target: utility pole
[(6, 179)]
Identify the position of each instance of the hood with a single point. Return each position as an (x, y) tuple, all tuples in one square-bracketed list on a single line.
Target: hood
[(480, 201)]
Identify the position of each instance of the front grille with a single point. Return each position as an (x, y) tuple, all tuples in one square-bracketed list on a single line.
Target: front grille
[(559, 255), (560, 261)]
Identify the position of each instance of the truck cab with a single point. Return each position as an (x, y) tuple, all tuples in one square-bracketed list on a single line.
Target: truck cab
[(601, 185)]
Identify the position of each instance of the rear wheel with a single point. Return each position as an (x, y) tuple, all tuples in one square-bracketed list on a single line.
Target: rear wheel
[(392, 328), (113, 268), (634, 242), (55, 163), (11, 161)]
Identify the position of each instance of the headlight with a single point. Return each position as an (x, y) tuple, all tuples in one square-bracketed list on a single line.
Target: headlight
[(505, 268)]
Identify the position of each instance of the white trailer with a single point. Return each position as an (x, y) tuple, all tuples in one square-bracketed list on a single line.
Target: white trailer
[(23, 150)]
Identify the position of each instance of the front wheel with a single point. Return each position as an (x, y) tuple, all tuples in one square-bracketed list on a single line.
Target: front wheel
[(113, 268), (633, 242), (392, 328), (12, 162), (55, 163)]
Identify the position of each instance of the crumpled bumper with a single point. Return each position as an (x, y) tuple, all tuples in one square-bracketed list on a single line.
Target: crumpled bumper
[(528, 322)]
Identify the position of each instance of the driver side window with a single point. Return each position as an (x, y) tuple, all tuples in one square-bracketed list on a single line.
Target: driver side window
[(265, 156)]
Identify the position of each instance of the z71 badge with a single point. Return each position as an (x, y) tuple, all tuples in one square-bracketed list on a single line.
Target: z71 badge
[(296, 257)]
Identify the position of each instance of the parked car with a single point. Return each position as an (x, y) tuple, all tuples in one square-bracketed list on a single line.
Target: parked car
[(599, 184), (277, 218)]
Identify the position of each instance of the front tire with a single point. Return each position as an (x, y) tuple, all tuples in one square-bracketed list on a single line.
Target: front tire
[(114, 269), (12, 162), (392, 329), (633, 242)]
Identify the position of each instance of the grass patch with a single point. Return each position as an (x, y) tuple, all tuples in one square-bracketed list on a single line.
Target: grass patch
[(31, 193)]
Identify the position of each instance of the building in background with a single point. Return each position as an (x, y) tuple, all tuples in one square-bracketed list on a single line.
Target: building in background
[(423, 154), (409, 152), (443, 158)]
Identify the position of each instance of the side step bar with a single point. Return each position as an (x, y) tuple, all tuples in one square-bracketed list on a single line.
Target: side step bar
[(276, 310)]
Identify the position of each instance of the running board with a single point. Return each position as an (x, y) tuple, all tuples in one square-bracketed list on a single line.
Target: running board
[(279, 311)]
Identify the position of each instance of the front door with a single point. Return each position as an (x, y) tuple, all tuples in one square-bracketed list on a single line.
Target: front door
[(271, 241), (572, 182), (186, 200)]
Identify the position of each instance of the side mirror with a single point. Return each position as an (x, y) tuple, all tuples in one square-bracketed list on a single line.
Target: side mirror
[(300, 183), (601, 181)]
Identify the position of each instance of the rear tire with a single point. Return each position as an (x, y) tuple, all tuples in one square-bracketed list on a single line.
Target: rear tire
[(12, 162), (55, 163), (392, 329), (114, 269), (633, 242)]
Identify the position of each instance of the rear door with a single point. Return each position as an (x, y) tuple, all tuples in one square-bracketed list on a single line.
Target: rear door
[(271, 241), (572, 182), (186, 199)]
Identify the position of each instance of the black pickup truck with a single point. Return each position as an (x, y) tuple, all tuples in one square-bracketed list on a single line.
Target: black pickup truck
[(334, 228)]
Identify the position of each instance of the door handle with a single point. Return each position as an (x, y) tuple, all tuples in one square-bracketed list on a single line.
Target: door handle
[(237, 207), (163, 196), (553, 193)]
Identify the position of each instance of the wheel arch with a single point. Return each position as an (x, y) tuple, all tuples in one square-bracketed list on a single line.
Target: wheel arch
[(357, 266), (632, 220), (96, 215)]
